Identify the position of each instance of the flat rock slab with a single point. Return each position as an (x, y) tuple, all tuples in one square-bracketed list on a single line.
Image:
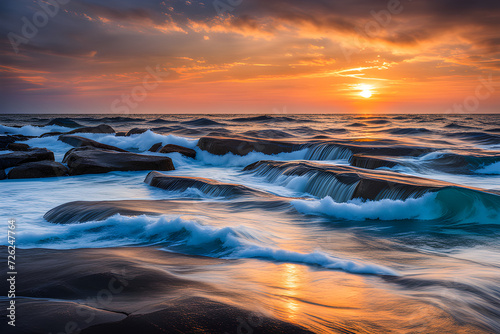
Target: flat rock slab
[(243, 146), (17, 158), (102, 128), (77, 141), (95, 161), (207, 186), (171, 148), (38, 169), (18, 147)]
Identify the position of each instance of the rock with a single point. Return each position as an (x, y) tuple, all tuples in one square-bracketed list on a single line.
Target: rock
[(66, 122), (243, 146), (136, 131), (170, 148), (103, 128), (5, 141), (87, 160), (18, 147), (77, 141), (343, 183), (370, 162), (38, 169), (155, 147), (207, 186), (120, 134), (17, 158), (2, 174), (50, 134)]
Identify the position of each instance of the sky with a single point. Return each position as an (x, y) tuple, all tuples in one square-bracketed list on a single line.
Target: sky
[(249, 56)]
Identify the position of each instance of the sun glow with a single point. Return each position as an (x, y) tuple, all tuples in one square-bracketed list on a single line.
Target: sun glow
[(366, 91)]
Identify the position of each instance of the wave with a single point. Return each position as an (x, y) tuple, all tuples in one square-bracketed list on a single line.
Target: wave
[(423, 208), (267, 134), (267, 118), (478, 137), (30, 130), (407, 131), (141, 142), (201, 122), (449, 205), (173, 233)]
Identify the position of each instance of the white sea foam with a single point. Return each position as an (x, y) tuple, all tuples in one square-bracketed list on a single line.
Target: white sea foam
[(424, 208), (30, 130), (185, 236), (231, 160), (141, 142)]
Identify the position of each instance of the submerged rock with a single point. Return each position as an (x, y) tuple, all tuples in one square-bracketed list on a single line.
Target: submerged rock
[(87, 160), (77, 141), (243, 146), (369, 162), (207, 186), (102, 128), (17, 158), (38, 169), (66, 122), (170, 148), (51, 134), (18, 147)]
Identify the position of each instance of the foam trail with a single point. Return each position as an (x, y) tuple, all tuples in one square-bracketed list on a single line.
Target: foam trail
[(185, 236), (423, 208)]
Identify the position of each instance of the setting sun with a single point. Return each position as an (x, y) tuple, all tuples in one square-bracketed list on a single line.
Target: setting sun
[(366, 91)]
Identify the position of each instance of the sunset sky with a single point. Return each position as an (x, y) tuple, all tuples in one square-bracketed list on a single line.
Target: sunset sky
[(251, 56)]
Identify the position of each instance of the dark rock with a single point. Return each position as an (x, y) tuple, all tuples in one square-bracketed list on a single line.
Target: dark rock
[(17, 158), (77, 141), (221, 146), (5, 141), (207, 186), (344, 183), (120, 134), (369, 162), (136, 131), (87, 160), (155, 147), (170, 148), (38, 169), (66, 122), (2, 174), (18, 147), (103, 128), (50, 134)]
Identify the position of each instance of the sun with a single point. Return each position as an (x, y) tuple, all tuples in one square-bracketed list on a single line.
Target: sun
[(365, 91)]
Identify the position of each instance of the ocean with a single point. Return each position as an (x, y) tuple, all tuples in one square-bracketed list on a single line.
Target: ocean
[(333, 223)]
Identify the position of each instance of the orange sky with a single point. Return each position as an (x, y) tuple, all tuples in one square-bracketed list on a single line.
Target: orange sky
[(255, 57)]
